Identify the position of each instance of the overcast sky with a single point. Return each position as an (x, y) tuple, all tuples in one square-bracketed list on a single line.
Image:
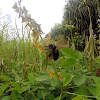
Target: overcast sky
[(45, 12)]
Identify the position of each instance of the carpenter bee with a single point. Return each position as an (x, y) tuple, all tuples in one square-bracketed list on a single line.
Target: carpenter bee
[(53, 51)]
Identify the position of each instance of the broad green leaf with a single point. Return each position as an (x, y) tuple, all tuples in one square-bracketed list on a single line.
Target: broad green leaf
[(43, 56), (69, 53), (17, 87), (64, 73), (79, 80), (98, 98), (82, 91), (78, 98), (67, 80), (98, 90), (43, 78), (54, 82), (79, 55), (52, 88), (39, 94), (3, 88), (96, 79), (92, 90), (6, 98), (50, 97), (68, 63), (25, 88), (31, 78), (5, 77), (57, 98)]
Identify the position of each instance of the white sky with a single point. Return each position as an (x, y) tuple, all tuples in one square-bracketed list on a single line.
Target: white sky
[(45, 12)]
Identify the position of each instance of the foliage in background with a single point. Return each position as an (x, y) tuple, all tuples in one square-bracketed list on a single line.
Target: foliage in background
[(76, 14)]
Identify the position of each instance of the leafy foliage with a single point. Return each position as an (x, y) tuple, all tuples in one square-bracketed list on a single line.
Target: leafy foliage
[(26, 73)]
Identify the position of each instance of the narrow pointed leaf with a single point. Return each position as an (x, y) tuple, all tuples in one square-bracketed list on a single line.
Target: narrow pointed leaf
[(3, 88), (5, 77)]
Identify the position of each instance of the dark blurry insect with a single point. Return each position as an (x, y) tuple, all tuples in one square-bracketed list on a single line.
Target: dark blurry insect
[(53, 51)]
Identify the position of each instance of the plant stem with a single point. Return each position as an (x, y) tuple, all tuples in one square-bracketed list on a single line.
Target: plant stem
[(56, 73), (78, 94)]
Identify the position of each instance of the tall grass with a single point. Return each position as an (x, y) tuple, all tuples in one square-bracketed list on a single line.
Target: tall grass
[(16, 45)]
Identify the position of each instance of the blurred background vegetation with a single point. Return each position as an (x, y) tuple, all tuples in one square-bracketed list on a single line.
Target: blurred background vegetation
[(76, 21)]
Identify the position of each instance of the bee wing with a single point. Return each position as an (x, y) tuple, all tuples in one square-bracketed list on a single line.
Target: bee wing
[(61, 46)]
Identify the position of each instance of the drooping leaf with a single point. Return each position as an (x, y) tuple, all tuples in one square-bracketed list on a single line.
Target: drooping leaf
[(69, 53), (68, 63)]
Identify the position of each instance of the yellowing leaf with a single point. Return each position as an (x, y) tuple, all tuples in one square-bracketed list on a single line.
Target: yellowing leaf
[(39, 47), (36, 44)]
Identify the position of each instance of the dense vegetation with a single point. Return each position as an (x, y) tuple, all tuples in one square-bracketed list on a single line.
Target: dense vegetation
[(27, 73)]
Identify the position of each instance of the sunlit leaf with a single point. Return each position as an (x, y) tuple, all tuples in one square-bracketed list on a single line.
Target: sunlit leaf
[(78, 98), (69, 53), (79, 55), (67, 80)]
